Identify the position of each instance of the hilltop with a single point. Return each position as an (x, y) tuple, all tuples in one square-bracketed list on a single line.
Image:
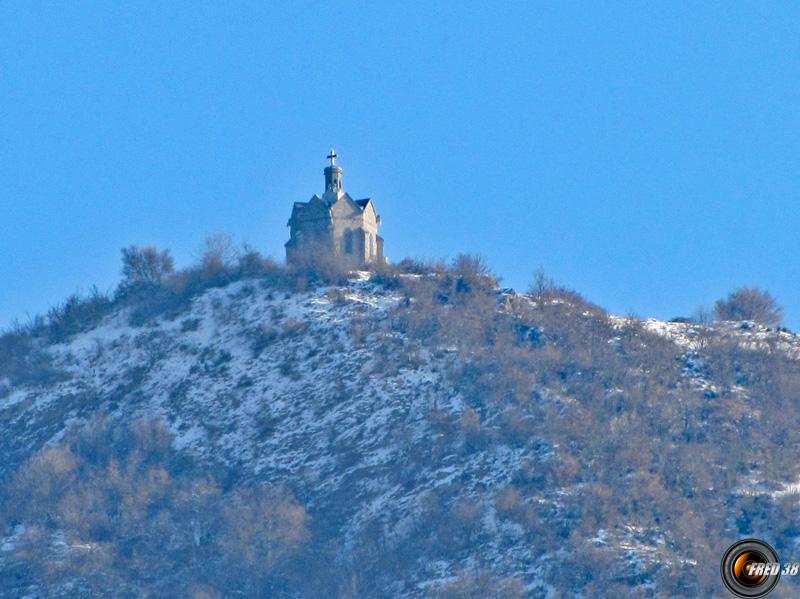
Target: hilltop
[(412, 432)]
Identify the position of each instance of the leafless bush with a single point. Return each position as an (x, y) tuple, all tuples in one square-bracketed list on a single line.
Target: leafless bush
[(77, 314), (145, 265), (509, 503), (541, 286), (469, 585), (702, 315), (471, 272), (262, 337), (219, 251), (262, 526), (293, 327), (750, 303), (24, 362), (253, 264)]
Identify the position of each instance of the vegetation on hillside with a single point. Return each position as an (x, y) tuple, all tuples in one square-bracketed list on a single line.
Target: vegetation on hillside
[(644, 444), (129, 515)]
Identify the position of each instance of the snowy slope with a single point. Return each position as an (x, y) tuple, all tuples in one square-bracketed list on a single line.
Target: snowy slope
[(282, 387), (288, 387)]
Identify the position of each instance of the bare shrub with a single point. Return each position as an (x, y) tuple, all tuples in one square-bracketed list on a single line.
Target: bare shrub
[(145, 265), (219, 251), (750, 303), (469, 585), (262, 337), (293, 327), (421, 267), (541, 286), (217, 259), (252, 264), (470, 421), (337, 296), (23, 362), (465, 519), (394, 276), (702, 315), (471, 272), (510, 504), (262, 527), (77, 314)]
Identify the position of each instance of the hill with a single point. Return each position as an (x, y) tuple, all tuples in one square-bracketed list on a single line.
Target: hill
[(409, 433)]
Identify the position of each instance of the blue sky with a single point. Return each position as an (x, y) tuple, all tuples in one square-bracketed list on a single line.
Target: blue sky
[(644, 154)]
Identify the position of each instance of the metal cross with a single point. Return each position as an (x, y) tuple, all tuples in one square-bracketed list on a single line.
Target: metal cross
[(332, 157)]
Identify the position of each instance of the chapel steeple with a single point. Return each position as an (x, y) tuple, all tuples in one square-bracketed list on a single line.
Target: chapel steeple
[(333, 175)]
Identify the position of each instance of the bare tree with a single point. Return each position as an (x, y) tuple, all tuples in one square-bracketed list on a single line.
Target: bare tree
[(750, 303), (263, 526), (218, 252), (541, 286), (702, 315), (145, 264), (471, 272)]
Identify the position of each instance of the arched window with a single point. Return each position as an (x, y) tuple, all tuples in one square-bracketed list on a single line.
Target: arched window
[(348, 242), (371, 245)]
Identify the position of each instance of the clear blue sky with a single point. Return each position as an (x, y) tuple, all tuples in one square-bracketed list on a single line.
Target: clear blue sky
[(645, 154)]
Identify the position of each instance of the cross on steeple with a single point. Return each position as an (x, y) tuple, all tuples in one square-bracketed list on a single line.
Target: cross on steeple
[(332, 157)]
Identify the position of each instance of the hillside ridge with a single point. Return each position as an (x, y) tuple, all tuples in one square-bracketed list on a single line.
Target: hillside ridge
[(374, 403)]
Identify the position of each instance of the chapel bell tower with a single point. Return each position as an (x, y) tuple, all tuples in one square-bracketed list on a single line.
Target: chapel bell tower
[(333, 175)]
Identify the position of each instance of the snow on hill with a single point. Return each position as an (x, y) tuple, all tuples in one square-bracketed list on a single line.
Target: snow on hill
[(291, 387), (277, 385)]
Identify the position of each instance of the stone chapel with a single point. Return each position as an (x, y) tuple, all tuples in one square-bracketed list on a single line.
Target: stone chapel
[(335, 224)]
